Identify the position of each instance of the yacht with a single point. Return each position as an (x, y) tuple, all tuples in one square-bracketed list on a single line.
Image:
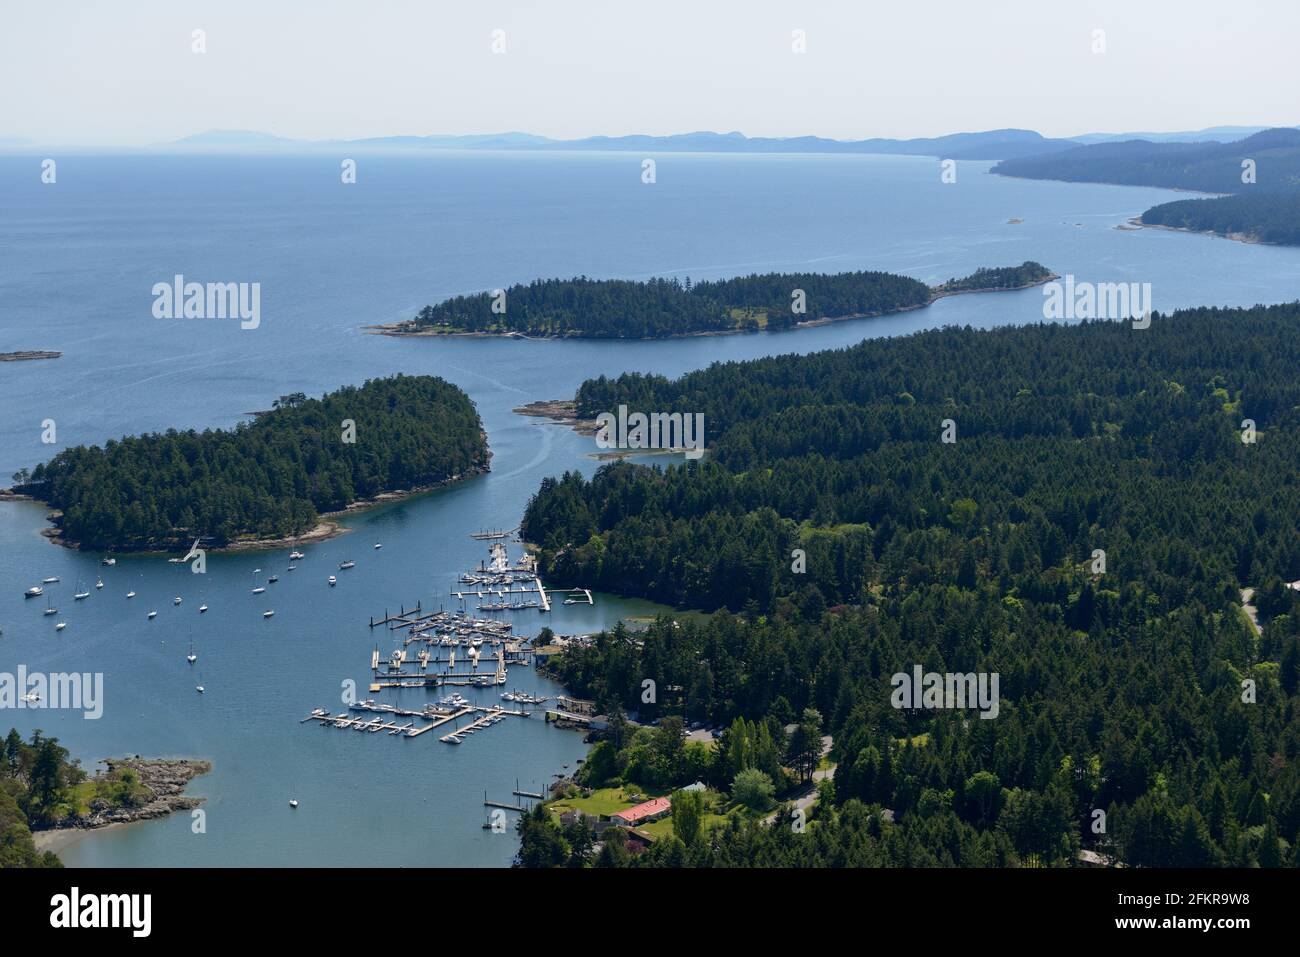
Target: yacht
[(108, 560), (348, 564), (202, 609), (293, 802), (60, 626), (50, 581), (333, 581), (199, 688), (34, 592), (268, 613), (273, 579), (153, 615), (292, 567), (176, 600), (191, 657), (378, 545), (99, 583), (130, 594), (80, 593), (259, 589), (295, 555)]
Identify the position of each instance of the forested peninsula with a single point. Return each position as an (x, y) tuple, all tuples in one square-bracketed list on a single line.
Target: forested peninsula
[(664, 308), (267, 479), (1260, 176), (1077, 509)]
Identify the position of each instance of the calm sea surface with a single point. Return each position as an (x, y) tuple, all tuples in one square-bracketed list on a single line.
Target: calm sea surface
[(78, 260)]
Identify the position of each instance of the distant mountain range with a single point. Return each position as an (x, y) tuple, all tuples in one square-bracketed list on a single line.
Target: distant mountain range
[(1006, 144), (988, 145)]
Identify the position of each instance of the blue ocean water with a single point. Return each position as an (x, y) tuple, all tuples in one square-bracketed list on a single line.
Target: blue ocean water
[(78, 260)]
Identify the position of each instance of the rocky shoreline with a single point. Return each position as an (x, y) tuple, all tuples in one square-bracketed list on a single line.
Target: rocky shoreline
[(165, 778)]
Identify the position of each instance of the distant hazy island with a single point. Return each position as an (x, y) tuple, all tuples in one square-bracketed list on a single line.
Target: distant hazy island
[(665, 308), (265, 481), (22, 356), (1259, 175)]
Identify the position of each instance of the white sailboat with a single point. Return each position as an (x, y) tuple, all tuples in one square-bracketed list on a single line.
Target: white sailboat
[(153, 615), (191, 657), (81, 592), (177, 600), (60, 626), (268, 613), (202, 609), (99, 583), (130, 594)]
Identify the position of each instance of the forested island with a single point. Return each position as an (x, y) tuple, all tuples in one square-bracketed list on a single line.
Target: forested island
[(1087, 536), (1261, 174), (268, 479), (1265, 217), (662, 308)]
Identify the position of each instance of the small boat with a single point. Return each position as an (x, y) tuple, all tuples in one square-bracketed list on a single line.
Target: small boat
[(293, 802), (99, 583), (34, 591), (177, 600), (273, 579), (292, 567), (295, 555), (130, 594), (107, 560), (50, 581), (268, 613), (333, 581), (202, 609), (259, 589), (153, 615), (348, 564), (199, 688), (31, 696), (60, 626), (378, 545)]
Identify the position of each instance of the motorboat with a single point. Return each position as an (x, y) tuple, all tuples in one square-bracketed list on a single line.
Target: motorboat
[(333, 581), (347, 564), (268, 613), (202, 609), (34, 592), (153, 615)]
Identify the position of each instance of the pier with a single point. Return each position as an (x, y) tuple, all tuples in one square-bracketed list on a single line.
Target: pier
[(487, 717)]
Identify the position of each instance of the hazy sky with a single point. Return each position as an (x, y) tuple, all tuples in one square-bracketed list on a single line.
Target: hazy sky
[(124, 71)]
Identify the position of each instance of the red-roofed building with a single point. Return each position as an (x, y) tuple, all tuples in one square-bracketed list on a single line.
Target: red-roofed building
[(651, 810)]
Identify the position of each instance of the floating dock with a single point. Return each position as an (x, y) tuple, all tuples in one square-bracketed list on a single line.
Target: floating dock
[(487, 717)]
